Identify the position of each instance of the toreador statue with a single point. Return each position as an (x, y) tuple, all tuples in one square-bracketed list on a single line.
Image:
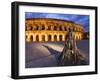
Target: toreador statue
[(71, 54)]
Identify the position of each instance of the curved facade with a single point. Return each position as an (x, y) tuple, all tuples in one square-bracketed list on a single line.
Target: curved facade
[(43, 29)]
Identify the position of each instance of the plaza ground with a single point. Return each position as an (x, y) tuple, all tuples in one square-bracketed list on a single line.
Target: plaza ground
[(45, 54)]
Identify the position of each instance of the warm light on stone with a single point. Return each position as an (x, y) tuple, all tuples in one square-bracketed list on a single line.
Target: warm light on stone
[(43, 29)]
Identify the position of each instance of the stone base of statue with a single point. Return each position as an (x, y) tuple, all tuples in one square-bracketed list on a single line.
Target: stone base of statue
[(71, 55)]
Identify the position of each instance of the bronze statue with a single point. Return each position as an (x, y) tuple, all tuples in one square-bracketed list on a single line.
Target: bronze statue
[(71, 54)]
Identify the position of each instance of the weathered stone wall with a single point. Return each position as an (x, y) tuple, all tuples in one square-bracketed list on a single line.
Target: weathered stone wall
[(41, 30)]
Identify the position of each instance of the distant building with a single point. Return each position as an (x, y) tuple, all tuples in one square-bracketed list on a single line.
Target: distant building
[(46, 29)]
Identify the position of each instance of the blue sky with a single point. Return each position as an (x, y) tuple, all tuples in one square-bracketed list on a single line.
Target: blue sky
[(79, 19)]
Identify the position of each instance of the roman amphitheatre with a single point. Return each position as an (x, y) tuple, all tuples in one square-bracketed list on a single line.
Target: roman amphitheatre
[(48, 29), (45, 40)]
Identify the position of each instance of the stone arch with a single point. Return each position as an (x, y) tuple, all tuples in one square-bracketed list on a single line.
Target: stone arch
[(55, 37), (55, 27), (37, 38), (43, 37), (49, 37), (31, 38), (65, 28), (60, 28), (43, 27), (60, 37)]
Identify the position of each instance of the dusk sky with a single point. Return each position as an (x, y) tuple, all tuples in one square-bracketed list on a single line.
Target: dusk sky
[(79, 19)]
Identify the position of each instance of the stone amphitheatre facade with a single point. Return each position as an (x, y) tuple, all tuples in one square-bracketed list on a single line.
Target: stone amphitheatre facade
[(46, 29)]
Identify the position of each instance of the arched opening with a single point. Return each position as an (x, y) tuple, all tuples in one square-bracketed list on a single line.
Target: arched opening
[(60, 28), (43, 37), (31, 38), (31, 27), (49, 37), (37, 38), (49, 27), (55, 38), (60, 37), (55, 28), (65, 28), (43, 27)]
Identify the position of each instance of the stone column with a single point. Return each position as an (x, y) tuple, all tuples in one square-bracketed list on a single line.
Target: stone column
[(63, 38), (34, 37), (52, 37), (57, 37), (46, 37), (28, 38), (40, 37), (63, 28)]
